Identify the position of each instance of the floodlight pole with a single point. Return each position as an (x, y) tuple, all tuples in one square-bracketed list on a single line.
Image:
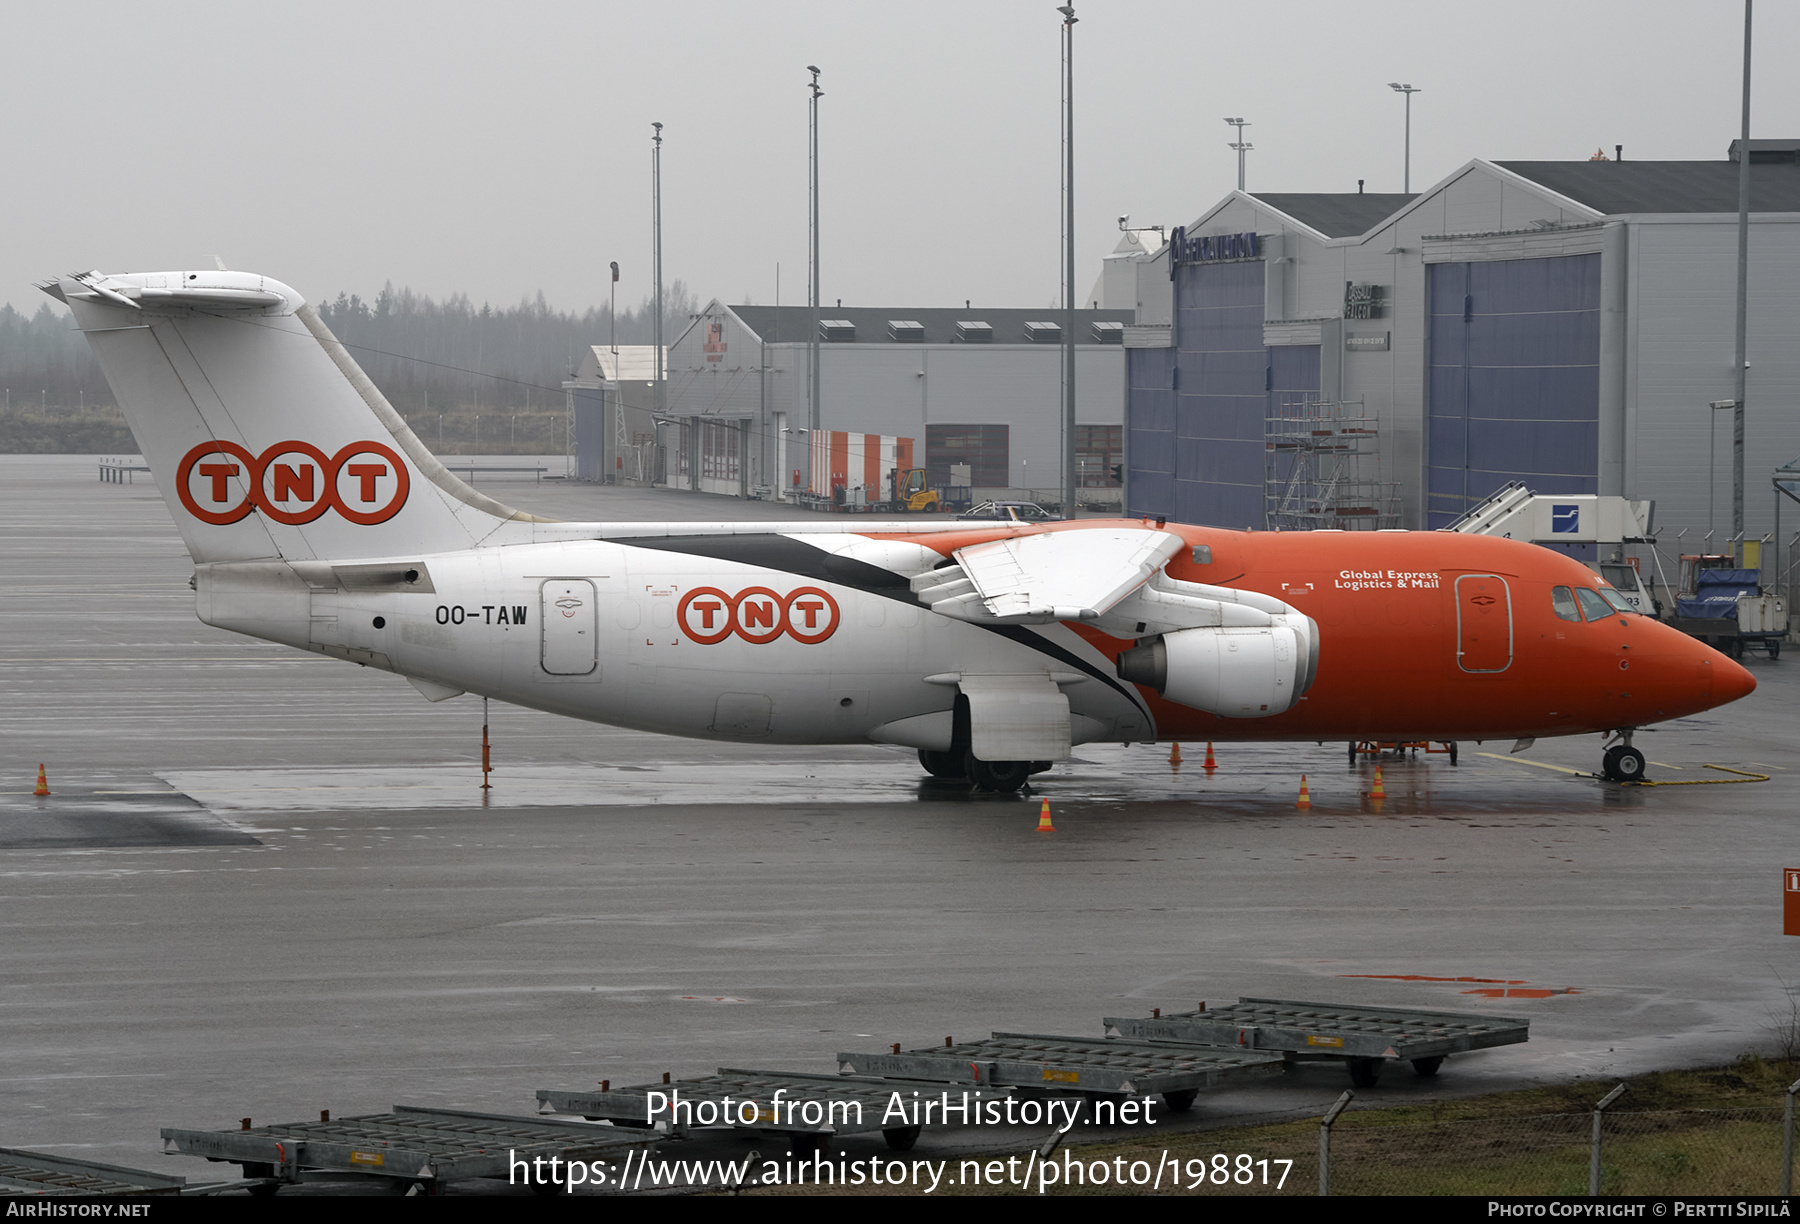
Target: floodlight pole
[(812, 407), (1068, 448), (1240, 124), (1409, 91), (1743, 298), (656, 230)]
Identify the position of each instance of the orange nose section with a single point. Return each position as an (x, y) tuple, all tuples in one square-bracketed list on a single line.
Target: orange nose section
[(1730, 680)]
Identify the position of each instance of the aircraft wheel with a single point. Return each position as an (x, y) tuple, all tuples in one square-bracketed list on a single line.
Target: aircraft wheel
[(1365, 1072), (901, 1138), (1352, 754), (1428, 1066), (1002, 776), (1182, 1101), (1623, 764), (1452, 747), (942, 764)]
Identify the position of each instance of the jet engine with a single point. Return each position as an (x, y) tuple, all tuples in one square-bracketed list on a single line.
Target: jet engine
[(1232, 671)]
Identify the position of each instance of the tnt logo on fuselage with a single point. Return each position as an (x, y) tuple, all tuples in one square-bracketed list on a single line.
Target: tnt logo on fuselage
[(758, 615), (292, 482)]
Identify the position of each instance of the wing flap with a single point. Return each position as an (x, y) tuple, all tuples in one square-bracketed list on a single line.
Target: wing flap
[(1047, 576)]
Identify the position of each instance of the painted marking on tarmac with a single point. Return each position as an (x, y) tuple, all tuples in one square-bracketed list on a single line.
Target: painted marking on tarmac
[(1492, 988), (1426, 977), (1579, 773)]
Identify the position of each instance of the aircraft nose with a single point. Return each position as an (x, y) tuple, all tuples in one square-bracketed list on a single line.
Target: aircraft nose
[(1731, 680)]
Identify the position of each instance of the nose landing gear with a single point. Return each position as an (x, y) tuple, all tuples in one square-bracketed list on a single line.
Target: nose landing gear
[(1622, 762)]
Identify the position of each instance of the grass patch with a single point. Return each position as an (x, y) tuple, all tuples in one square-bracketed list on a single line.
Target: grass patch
[(1713, 1131)]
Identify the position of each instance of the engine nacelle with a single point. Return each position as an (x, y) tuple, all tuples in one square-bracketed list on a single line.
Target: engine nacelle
[(1234, 672)]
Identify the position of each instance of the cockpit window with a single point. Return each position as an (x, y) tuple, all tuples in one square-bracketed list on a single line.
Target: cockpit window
[(1592, 606), (1618, 601), (1563, 600)]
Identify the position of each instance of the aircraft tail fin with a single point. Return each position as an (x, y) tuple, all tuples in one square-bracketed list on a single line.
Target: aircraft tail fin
[(264, 435)]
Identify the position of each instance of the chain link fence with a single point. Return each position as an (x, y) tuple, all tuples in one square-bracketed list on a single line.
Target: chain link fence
[(1651, 1152)]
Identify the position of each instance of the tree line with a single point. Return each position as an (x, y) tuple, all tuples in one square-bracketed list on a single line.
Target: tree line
[(425, 355)]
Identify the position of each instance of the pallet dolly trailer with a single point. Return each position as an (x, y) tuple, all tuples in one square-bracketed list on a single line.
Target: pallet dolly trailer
[(842, 1105), (411, 1146), (1035, 1064), (27, 1173), (1365, 1038)]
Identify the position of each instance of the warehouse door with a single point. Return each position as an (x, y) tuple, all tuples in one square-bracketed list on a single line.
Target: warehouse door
[(1514, 380)]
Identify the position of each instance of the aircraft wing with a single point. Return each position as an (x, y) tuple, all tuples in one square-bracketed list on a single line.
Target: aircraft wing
[(1046, 576)]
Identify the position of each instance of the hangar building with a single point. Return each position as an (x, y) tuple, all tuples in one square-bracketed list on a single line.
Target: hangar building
[(976, 386), (1563, 324)]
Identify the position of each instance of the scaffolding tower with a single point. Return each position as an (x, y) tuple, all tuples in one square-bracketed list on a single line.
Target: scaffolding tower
[(1322, 468)]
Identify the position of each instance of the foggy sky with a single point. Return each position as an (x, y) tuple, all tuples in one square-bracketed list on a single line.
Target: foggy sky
[(503, 149)]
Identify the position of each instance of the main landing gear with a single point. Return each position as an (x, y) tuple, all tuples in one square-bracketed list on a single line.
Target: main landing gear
[(1622, 762), (1003, 777)]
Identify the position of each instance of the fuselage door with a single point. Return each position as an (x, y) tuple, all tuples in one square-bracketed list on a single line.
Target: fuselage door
[(1483, 623), (569, 620)]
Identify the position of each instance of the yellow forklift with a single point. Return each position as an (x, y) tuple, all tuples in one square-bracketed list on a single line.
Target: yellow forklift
[(913, 493)]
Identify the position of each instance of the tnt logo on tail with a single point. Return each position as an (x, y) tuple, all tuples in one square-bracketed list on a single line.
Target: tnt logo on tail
[(292, 482)]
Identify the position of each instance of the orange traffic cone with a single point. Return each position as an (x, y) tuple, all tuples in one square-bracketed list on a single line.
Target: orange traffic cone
[(1379, 793), (1044, 825), (1210, 763), (1175, 754), (43, 786), (1305, 801)]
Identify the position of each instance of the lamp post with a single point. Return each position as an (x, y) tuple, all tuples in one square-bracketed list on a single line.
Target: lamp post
[(1068, 447), (1736, 408), (656, 232), (1743, 285), (1240, 124), (1409, 91), (812, 407)]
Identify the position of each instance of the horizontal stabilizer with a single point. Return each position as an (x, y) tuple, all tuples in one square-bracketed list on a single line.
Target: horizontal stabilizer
[(213, 291)]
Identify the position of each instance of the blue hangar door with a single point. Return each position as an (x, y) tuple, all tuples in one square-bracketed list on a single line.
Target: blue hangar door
[(1196, 445), (1514, 380)]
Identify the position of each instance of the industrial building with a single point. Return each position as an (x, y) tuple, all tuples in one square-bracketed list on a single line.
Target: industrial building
[(975, 386), (612, 416), (1562, 324)]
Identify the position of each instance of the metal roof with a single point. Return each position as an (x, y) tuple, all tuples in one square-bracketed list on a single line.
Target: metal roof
[(793, 324), (1614, 187), (632, 363), (1337, 214)]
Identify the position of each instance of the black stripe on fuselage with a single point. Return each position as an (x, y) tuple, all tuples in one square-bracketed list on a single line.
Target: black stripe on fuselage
[(784, 553), (779, 552)]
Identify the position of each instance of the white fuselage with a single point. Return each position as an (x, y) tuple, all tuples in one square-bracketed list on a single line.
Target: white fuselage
[(598, 630)]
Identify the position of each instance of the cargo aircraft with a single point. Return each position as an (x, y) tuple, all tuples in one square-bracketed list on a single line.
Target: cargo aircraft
[(316, 518)]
